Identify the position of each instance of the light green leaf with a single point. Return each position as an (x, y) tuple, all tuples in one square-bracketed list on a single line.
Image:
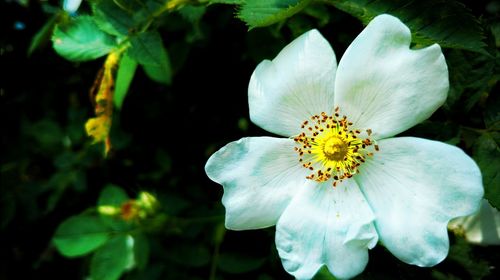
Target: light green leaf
[(43, 35), (146, 48), (81, 40), (163, 72), (111, 18), (112, 195), (487, 156), (448, 23), (112, 259), (124, 76), (80, 235), (239, 263), (258, 13)]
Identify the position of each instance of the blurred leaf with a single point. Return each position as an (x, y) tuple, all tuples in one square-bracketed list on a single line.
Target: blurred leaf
[(462, 253), (126, 71), (112, 195), (111, 18), (141, 251), (190, 255), (7, 209), (161, 73), (324, 274), (238, 263), (47, 133), (193, 13), (487, 156), (81, 40), (446, 22), (258, 13), (43, 35), (80, 235), (471, 77), (146, 48), (112, 259), (230, 2)]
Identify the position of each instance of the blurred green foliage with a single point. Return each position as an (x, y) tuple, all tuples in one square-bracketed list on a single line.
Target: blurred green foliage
[(67, 211)]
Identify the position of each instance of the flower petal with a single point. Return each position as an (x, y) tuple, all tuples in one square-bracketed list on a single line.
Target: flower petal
[(482, 227), (326, 225), (295, 85), (383, 85), (415, 186), (260, 175)]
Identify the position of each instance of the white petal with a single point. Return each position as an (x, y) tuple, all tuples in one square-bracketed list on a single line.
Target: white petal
[(482, 228), (294, 86), (260, 175), (383, 85), (326, 225), (71, 6), (415, 186)]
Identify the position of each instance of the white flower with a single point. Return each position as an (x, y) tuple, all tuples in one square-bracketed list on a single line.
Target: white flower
[(336, 185), (482, 227)]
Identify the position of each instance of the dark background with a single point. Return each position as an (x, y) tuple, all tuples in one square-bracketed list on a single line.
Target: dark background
[(162, 138)]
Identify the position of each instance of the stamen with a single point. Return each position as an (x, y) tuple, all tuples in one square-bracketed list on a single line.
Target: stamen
[(331, 149)]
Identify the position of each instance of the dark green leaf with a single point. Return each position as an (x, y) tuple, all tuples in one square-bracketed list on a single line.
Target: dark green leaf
[(161, 73), (324, 274), (258, 13), (189, 255), (112, 195), (487, 156), (43, 35), (229, 2), (446, 22), (124, 76), (146, 48), (141, 251), (111, 18), (193, 13), (112, 259), (239, 263), (80, 235)]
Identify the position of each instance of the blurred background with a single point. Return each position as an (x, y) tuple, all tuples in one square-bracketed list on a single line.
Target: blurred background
[(164, 133)]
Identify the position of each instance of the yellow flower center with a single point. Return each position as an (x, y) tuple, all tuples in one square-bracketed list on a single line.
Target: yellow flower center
[(331, 149)]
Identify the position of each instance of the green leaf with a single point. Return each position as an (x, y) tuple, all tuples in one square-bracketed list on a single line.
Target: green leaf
[(487, 155), (81, 40), (141, 251), (324, 274), (146, 48), (446, 22), (124, 76), (111, 18), (80, 235), (238, 263), (163, 72), (112, 195), (258, 13), (43, 35), (112, 259)]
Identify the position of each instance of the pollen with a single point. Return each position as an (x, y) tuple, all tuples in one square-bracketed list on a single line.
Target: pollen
[(331, 148)]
